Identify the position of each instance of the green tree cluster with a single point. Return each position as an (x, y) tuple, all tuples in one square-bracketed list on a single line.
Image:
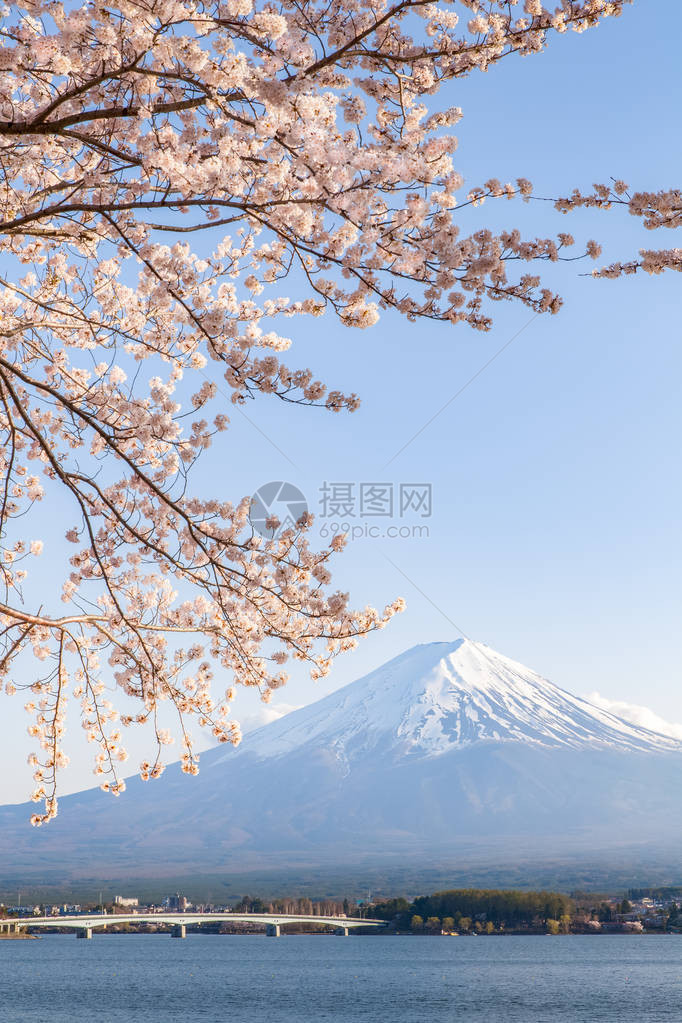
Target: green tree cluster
[(490, 909)]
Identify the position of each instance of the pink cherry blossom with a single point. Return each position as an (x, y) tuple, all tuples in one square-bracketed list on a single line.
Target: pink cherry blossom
[(165, 165)]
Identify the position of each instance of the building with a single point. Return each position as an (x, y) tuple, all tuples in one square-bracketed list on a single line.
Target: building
[(122, 900)]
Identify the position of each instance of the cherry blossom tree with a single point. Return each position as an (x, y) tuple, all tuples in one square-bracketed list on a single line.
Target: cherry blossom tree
[(164, 166)]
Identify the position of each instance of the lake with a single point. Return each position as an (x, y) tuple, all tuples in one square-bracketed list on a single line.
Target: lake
[(254, 979)]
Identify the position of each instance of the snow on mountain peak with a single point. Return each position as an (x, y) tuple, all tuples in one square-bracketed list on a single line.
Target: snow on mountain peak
[(437, 697)]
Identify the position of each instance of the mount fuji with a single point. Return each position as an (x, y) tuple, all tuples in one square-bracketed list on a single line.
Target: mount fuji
[(441, 697), (448, 750)]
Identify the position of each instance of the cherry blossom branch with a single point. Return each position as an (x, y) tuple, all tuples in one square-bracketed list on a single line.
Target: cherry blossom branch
[(299, 143)]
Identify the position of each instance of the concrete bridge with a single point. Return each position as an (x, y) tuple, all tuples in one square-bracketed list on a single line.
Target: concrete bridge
[(84, 924)]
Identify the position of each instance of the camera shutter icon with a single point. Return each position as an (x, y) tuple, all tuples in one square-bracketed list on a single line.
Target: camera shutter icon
[(280, 500)]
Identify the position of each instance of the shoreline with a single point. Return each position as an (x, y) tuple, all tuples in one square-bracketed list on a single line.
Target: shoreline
[(307, 934)]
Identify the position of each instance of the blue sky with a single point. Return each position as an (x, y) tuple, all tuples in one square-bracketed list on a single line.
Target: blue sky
[(555, 474)]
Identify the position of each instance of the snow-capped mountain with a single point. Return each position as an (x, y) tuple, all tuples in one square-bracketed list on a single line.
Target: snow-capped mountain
[(450, 749), (440, 697)]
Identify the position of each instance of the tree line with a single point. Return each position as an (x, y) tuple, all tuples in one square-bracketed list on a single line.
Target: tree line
[(662, 893), (479, 910), (302, 906)]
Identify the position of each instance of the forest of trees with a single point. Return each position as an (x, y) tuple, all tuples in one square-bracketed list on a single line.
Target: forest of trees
[(302, 905), (479, 910)]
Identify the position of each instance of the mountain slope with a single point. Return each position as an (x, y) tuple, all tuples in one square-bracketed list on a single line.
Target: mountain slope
[(448, 748), (442, 696)]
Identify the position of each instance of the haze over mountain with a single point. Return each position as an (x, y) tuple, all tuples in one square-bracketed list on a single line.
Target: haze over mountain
[(449, 749)]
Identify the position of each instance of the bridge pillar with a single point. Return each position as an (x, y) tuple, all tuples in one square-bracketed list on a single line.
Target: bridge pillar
[(179, 931), (84, 932), (273, 931), (343, 931)]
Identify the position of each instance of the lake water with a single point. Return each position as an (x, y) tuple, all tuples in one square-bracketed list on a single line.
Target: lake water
[(254, 979)]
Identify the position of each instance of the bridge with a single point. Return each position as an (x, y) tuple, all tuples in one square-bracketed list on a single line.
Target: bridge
[(84, 924)]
